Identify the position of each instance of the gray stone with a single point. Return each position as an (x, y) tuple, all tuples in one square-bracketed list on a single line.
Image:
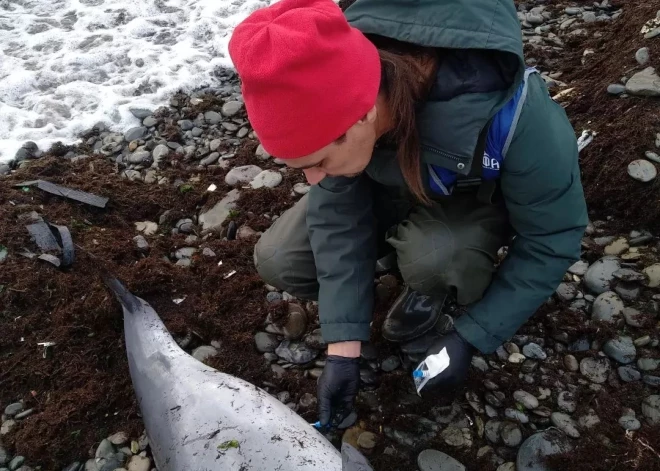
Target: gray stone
[(267, 179), (12, 409), (565, 423), (160, 152), (231, 127), (7, 426), (652, 34), (526, 399), (231, 108), (492, 431), (621, 349), (571, 363), (266, 342), (138, 157), (566, 402), (213, 218), (16, 463), (630, 423), (479, 363), (4, 169), (149, 122), (642, 55), (433, 460), (600, 274), (419, 431), (628, 374), (4, 456), (606, 307), (210, 159), (243, 174), (642, 341), (653, 157), (642, 170), (391, 363), (651, 380), (573, 11), (138, 463), (295, 352), (453, 436), (185, 252), (628, 291), (590, 420), (196, 132), (141, 243), (296, 323), (186, 125), (535, 19), (579, 268), (308, 401), (301, 188), (105, 450), (629, 275), (595, 369), (648, 364), (134, 134), (535, 351), (204, 352), (567, 291), (511, 434), (588, 17), (516, 415), (141, 113), (653, 273), (616, 89), (651, 409), (533, 453), (633, 317), (207, 252), (274, 297), (212, 117), (644, 83)]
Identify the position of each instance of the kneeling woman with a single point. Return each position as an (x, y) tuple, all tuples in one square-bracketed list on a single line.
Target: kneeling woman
[(421, 132)]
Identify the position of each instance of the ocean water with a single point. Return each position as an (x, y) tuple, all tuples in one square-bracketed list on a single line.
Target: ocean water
[(68, 64)]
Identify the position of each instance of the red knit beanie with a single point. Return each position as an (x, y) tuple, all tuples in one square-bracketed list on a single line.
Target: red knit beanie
[(307, 75)]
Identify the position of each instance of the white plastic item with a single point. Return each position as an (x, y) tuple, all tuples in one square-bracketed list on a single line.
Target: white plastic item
[(431, 367)]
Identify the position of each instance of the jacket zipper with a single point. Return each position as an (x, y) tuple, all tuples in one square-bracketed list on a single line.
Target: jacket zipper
[(443, 153)]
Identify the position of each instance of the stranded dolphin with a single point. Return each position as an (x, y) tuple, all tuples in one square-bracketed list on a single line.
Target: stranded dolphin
[(199, 419)]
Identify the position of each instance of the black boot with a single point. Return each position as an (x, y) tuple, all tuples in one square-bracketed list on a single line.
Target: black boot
[(412, 315)]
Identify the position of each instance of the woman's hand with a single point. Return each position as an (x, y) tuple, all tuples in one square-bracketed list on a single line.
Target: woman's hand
[(339, 384)]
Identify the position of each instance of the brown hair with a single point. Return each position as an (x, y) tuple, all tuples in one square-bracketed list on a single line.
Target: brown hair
[(407, 74)]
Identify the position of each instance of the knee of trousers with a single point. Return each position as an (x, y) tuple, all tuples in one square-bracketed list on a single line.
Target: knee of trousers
[(438, 260), (270, 263)]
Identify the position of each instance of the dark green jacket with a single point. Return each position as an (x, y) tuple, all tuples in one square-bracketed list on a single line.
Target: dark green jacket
[(540, 179)]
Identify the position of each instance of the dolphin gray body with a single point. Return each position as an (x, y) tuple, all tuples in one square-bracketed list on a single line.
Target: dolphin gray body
[(199, 419)]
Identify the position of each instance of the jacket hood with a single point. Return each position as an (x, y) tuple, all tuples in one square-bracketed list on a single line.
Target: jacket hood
[(481, 65)]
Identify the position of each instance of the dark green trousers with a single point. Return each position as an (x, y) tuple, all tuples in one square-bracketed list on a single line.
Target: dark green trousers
[(449, 247)]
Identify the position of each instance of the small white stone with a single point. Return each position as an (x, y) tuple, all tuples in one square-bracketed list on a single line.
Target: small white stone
[(642, 170), (261, 153), (267, 178)]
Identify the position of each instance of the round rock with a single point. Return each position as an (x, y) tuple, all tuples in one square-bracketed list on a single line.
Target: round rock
[(535, 351), (565, 423), (295, 352), (621, 349), (653, 274), (204, 352), (567, 291), (230, 108), (243, 174), (606, 307), (511, 434), (630, 423), (267, 179), (296, 324), (529, 401), (651, 409), (12, 409), (600, 275), (642, 55), (629, 374), (566, 402), (595, 369), (642, 170), (433, 460), (266, 343), (534, 451)]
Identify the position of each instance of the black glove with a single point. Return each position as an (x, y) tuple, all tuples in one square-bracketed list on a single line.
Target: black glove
[(460, 357), (337, 388)]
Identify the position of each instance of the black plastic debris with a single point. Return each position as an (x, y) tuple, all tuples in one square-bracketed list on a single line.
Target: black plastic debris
[(43, 236), (52, 238), (76, 195)]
